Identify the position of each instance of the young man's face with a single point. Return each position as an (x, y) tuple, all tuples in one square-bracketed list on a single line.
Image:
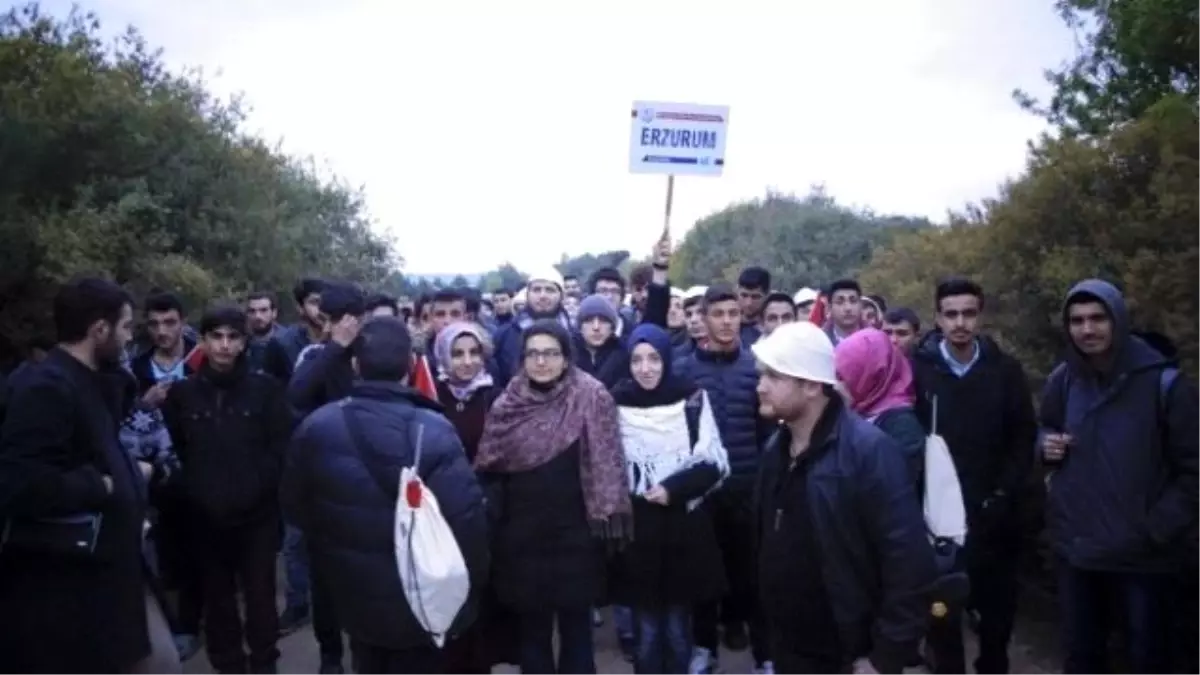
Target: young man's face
[(958, 317), (775, 314), (675, 315), (166, 329), (638, 297), (442, 314), (571, 286), (502, 304), (723, 320), (596, 331), (903, 335), (310, 310), (751, 300), (261, 315), (223, 345), (610, 291), (1090, 327), (694, 316), (847, 310), (544, 297)]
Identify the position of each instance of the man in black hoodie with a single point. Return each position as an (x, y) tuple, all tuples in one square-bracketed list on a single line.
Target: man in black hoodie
[(230, 427), (984, 411)]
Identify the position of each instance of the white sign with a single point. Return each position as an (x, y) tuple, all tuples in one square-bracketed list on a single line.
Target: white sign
[(678, 138)]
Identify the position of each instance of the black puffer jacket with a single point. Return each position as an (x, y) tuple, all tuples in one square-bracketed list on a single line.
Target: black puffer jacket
[(343, 496)]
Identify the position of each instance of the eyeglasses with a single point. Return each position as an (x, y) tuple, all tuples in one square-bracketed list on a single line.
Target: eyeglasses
[(543, 355)]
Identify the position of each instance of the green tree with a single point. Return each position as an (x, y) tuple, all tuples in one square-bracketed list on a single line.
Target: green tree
[(505, 276), (583, 266), (805, 241), (1133, 54), (111, 164)]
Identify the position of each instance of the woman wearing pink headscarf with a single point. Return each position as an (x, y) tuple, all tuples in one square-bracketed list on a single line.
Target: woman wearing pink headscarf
[(879, 382)]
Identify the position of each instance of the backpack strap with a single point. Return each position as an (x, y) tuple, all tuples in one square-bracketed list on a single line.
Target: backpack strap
[(691, 411), (416, 434)]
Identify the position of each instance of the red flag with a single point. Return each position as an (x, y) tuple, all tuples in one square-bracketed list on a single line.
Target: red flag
[(194, 359), (421, 378), (819, 311)]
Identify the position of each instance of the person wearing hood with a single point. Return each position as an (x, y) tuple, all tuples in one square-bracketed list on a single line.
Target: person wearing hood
[(231, 427), (543, 294), (554, 471), (1119, 432), (845, 567), (673, 459), (879, 381), (608, 283), (985, 414), (597, 348)]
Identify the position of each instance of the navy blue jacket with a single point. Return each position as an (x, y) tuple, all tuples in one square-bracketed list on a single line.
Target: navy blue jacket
[(508, 345), (282, 350), (1124, 498), (609, 363), (875, 558), (343, 496), (324, 374), (731, 382)]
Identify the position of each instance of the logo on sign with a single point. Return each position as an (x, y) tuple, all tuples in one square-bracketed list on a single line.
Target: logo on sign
[(646, 115)]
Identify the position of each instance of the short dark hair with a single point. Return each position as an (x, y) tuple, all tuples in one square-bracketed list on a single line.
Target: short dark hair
[(502, 291), (641, 275), (383, 349), (81, 303), (377, 300), (473, 301), (605, 274), (845, 285), (952, 286), (261, 295), (778, 297), (718, 293), (419, 304), (755, 277), (223, 316), (446, 295), (568, 277), (692, 300), (163, 302), (306, 287), (902, 315), (879, 302)]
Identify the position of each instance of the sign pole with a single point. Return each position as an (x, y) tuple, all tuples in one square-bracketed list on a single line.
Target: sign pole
[(666, 233)]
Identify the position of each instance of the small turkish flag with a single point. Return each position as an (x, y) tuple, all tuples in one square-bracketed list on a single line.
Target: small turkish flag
[(194, 359), (421, 378), (819, 311)]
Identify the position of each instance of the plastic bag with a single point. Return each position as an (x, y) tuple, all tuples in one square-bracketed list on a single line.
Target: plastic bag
[(945, 514), (432, 569)]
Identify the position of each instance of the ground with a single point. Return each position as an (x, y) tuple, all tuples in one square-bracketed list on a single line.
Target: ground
[(1032, 652)]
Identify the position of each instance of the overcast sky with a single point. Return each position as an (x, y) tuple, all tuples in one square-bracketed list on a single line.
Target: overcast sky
[(489, 131)]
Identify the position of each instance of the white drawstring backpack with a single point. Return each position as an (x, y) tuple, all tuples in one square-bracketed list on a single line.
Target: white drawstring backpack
[(945, 514), (432, 569)]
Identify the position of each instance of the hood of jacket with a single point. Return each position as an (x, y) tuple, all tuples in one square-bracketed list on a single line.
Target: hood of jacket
[(1130, 352)]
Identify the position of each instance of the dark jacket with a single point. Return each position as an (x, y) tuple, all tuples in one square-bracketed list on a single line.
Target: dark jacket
[(609, 363), (1125, 495), (731, 382), (343, 496), (283, 349), (230, 433), (905, 428), (987, 420), (876, 561), (467, 417), (257, 347), (324, 374), (749, 334), (73, 615)]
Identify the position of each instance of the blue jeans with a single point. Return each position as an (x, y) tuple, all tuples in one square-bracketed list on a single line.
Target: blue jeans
[(623, 621), (576, 653), (664, 642), (1092, 602), (295, 560)]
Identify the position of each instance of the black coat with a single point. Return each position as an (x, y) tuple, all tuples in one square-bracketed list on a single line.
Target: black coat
[(60, 614), (543, 552)]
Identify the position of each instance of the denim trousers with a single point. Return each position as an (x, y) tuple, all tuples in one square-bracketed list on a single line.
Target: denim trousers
[(663, 640)]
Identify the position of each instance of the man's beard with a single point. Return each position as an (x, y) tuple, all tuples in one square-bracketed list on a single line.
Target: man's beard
[(108, 354)]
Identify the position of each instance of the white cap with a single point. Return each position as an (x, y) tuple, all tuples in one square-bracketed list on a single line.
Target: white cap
[(677, 292), (799, 349), (519, 298), (805, 294), (549, 274), (695, 292)]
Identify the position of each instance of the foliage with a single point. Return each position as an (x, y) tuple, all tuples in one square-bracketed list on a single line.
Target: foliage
[(1123, 208), (583, 266), (505, 276), (803, 241), (110, 164), (1133, 53)]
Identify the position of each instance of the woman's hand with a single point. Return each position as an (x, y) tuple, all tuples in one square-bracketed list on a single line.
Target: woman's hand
[(658, 495)]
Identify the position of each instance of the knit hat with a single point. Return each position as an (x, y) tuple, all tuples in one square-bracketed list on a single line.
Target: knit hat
[(596, 306), (549, 274), (800, 350)]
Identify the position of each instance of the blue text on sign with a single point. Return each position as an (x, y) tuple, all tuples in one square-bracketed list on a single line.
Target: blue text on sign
[(679, 138)]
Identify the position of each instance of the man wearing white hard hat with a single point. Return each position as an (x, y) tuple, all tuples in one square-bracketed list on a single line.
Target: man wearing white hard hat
[(804, 299), (543, 300), (845, 567)]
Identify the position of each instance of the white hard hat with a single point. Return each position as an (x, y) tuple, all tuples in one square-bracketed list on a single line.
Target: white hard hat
[(519, 298), (549, 274), (805, 294), (695, 292), (677, 292), (799, 349)]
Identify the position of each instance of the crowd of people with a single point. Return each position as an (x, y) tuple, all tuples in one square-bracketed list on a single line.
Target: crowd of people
[(728, 465)]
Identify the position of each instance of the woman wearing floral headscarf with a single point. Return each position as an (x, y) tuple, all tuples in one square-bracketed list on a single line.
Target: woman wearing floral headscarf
[(673, 458), (879, 381), (466, 391), (552, 463)]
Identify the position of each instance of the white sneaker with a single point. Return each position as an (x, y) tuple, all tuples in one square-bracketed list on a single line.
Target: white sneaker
[(703, 662), (767, 668)]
